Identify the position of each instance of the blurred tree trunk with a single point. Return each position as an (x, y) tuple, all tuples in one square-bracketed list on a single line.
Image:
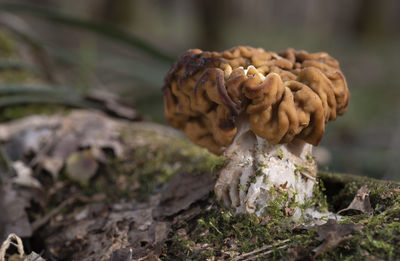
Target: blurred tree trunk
[(115, 12), (119, 12), (368, 22), (212, 17)]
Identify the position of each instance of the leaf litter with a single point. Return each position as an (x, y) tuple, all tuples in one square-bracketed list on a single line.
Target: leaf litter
[(61, 149)]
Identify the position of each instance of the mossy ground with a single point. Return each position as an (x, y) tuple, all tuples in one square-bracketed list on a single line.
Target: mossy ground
[(156, 158), (226, 234), (216, 232)]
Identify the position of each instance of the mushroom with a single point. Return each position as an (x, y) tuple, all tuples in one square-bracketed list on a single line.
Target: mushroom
[(262, 110)]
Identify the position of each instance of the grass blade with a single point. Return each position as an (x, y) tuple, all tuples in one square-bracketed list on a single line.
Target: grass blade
[(102, 29), (15, 94), (15, 100)]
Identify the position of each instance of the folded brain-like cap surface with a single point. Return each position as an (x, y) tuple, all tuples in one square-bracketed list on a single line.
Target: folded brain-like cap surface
[(285, 96)]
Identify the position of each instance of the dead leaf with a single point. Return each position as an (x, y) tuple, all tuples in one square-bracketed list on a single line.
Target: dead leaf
[(360, 202), (51, 140), (94, 129), (24, 175), (122, 254), (33, 139), (81, 166), (13, 218), (65, 143), (183, 190), (11, 129), (31, 257), (298, 252), (34, 257), (53, 165), (332, 234)]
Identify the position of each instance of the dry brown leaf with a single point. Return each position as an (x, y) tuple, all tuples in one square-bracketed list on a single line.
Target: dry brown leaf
[(13, 218), (122, 254), (24, 175), (298, 253), (11, 129), (183, 190), (360, 202), (51, 140), (332, 234)]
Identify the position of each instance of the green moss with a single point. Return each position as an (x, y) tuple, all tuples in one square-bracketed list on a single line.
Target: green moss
[(309, 158), (156, 164), (281, 155), (17, 76), (301, 168), (319, 199), (244, 233), (238, 233), (15, 112), (7, 45), (378, 239)]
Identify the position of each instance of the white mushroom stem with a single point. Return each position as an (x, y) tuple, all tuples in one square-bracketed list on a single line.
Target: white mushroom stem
[(259, 172)]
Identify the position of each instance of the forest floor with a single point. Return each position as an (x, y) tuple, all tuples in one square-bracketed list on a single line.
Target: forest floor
[(85, 186)]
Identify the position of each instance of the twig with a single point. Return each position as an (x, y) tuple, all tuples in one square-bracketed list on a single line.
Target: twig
[(6, 244), (265, 253), (43, 220), (260, 251), (198, 251)]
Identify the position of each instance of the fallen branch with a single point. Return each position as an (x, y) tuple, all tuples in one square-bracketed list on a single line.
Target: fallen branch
[(197, 252), (43, 220)]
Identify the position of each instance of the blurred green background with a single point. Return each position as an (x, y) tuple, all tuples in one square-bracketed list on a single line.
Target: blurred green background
[(127, 46)]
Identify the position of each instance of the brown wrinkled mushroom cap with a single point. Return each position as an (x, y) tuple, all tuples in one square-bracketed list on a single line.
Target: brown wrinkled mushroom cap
[(205, 92)]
